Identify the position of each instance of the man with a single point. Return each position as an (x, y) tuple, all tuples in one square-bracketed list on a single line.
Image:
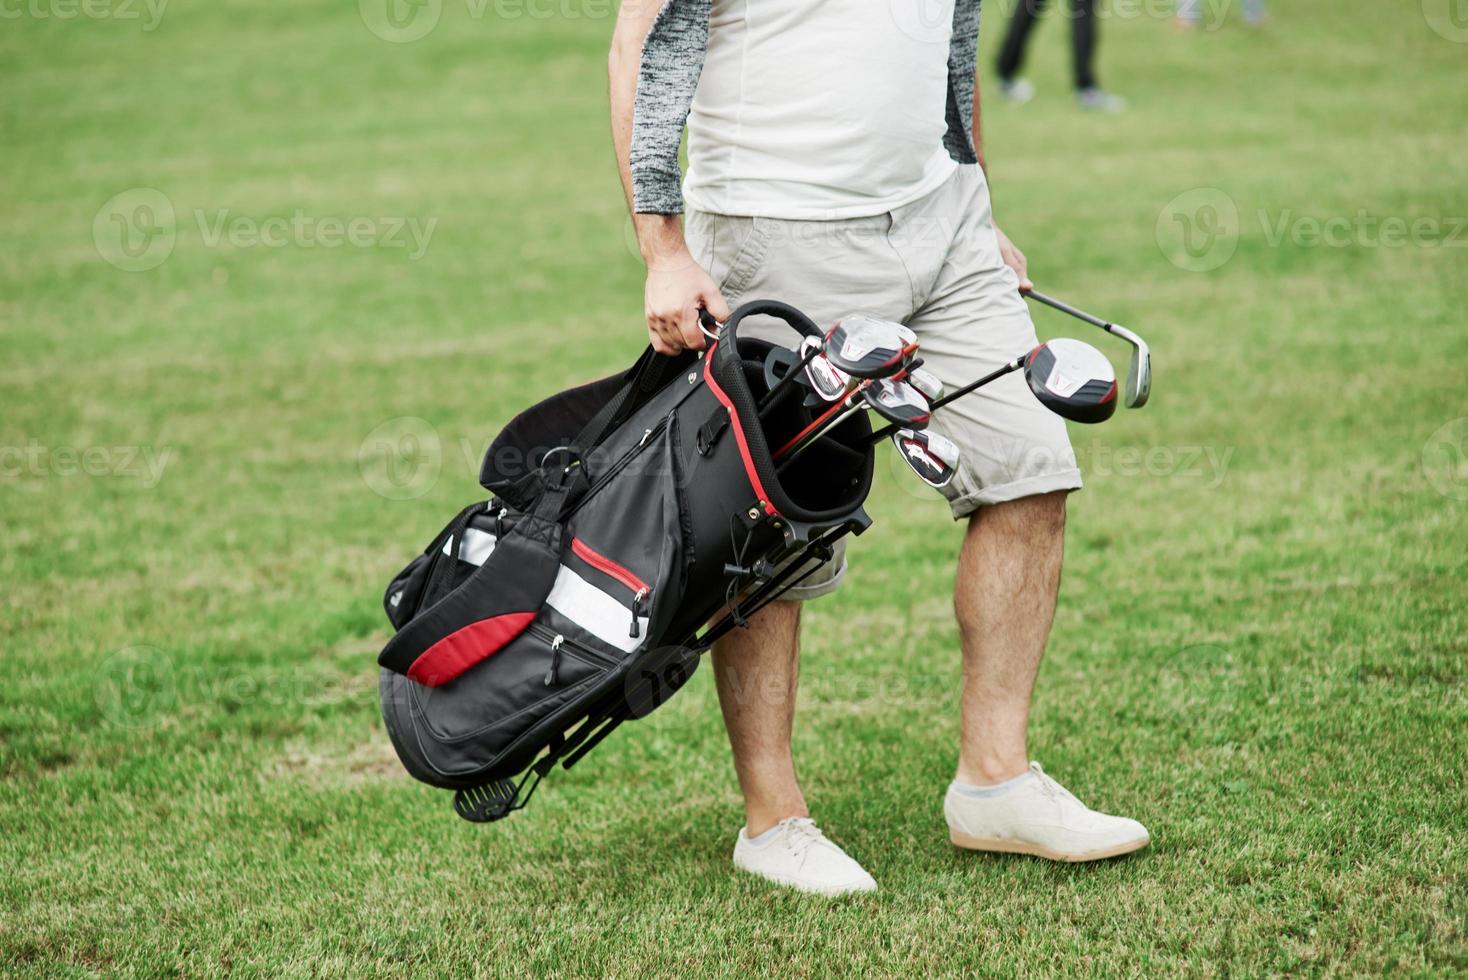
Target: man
[(1089, 94), (834, 164)]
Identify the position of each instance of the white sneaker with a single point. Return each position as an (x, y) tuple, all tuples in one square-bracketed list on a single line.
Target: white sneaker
[(1039, 816), (797, 854), (1017, 90), (1100, 100)]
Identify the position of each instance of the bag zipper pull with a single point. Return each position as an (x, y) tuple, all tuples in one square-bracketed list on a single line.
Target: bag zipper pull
[(550, 675), (637, 603)]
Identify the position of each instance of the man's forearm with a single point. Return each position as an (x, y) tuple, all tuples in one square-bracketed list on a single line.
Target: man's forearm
[(659, 236)]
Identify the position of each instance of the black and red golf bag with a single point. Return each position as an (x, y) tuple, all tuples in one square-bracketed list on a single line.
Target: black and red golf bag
[(633, 521)]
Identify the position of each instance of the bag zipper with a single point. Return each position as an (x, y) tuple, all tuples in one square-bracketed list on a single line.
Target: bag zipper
[(559, 643), (640, 590), (619, 465)]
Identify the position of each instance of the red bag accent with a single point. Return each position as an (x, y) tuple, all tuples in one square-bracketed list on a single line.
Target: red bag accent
[(463, 648)]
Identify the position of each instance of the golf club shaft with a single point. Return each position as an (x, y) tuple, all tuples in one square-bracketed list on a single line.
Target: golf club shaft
[(774, 392), (816, 437), (1064, 307), (815, 424), (998, 372)]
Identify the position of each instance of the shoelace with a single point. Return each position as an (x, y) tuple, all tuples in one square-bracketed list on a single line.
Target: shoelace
[(1050, 787), (802, 834)]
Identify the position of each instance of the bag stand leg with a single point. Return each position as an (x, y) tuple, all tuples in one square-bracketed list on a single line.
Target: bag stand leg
[(768, 592), (495, 801)]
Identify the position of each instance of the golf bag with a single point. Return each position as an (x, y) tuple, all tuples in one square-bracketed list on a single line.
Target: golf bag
[(633, 521)]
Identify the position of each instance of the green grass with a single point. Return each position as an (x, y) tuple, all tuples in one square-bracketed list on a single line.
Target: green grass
[(1261, 656)]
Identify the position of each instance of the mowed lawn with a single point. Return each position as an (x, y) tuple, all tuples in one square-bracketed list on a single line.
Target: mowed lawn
[(222, 433)]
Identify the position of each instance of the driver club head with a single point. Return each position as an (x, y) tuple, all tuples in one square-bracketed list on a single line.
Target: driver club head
[(932, 457), (863, 346), (1072, 379), (899, 402)]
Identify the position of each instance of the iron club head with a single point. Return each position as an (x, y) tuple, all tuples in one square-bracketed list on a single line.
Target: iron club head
[(1139, 372), (932, 457)]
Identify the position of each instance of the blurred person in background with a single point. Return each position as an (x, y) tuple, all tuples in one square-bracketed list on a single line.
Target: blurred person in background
[(1190, 14), (1082, 13)]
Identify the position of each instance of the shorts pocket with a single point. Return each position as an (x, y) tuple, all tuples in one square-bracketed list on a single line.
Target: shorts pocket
[(732, 248)]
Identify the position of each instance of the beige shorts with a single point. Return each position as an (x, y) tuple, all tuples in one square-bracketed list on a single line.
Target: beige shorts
[(934, 265)]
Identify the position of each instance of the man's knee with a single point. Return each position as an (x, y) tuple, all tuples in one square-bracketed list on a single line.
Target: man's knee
[(1041, 515)]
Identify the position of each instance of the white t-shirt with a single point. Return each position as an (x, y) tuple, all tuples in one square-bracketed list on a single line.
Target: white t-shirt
[(820, 109)]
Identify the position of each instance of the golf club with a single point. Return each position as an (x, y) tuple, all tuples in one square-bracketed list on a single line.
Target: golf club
[(828, 382), (927, 383), (899, 402), (1069, 377), (1139, 374), (893, 398), (810, 348), (1072, 379), (864, 347), (818, 426), (933, 458)]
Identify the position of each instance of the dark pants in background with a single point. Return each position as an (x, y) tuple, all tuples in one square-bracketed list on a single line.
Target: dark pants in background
[(1082, 39)]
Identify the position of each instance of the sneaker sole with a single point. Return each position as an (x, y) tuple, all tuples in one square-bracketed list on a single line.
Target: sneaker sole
[(823, 891), (1008, 846)]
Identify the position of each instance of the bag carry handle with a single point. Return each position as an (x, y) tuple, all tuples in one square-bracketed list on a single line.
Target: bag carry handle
[(729, 330)]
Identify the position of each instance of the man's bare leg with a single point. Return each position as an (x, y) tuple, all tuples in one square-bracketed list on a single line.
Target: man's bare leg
[(1008, 579), (756, 671)]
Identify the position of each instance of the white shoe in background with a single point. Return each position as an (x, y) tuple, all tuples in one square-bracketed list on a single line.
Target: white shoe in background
[(1099, 100), (1017, 90)]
